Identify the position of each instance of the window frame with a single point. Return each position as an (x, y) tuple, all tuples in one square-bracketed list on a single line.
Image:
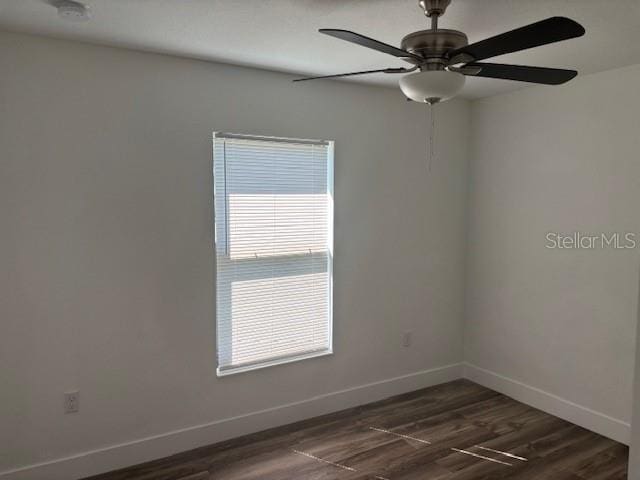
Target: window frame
[(330, 144)]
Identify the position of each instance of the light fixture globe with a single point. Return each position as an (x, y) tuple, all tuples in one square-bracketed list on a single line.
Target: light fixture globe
[(432, 86)]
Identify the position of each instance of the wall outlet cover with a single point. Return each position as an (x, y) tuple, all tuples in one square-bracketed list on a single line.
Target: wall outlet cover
[(72, 402)]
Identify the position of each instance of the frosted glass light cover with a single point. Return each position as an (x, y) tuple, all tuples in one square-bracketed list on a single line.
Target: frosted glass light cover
[(432, 84)]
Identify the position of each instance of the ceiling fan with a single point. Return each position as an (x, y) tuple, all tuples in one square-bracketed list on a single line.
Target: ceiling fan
[(444, 57)]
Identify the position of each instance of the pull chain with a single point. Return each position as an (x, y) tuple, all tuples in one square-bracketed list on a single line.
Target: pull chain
[(431, 148)]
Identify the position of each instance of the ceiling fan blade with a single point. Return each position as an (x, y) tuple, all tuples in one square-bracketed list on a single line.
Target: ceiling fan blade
[(369, 43), (366, 72), (522, 73), (554, 29)]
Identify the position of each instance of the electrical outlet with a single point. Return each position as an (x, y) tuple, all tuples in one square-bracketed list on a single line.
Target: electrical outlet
[(406, 339), (72, 402)]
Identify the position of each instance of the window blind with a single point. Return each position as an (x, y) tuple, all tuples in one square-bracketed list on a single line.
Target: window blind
[(273, 222)]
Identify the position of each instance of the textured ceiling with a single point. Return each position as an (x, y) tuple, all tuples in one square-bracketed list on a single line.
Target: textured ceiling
[(282, 34)]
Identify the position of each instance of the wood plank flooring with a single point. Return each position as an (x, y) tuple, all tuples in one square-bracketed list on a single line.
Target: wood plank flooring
[(454, 431)]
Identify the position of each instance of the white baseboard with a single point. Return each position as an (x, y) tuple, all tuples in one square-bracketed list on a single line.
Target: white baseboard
[(150, 448), (145, 449), (585, 417)]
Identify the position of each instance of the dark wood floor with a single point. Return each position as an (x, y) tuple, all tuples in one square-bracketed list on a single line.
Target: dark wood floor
[(455, 431)]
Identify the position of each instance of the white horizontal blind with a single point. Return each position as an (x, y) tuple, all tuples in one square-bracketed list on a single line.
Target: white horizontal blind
[(273, 210)]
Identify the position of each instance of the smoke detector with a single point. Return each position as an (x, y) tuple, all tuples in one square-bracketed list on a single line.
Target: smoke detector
[(72, 10)]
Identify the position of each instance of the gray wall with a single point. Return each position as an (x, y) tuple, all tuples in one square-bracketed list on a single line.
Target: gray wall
[(634, 458), (556, 160), (106, 245), (105, 202)]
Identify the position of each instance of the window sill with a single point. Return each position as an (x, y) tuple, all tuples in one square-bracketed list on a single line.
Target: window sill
[(271, 363)]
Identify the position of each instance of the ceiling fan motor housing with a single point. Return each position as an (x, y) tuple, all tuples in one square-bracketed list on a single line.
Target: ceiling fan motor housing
[(433, 44)]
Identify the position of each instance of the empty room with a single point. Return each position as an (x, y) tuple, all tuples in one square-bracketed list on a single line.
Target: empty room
[(319, 240)]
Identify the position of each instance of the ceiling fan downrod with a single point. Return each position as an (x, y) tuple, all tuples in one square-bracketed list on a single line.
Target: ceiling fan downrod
[(434, 9)]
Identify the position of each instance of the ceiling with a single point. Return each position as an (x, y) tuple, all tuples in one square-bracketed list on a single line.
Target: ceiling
[(282, 34)]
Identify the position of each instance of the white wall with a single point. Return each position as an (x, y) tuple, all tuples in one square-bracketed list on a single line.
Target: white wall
[(559, 323), (107, 263)]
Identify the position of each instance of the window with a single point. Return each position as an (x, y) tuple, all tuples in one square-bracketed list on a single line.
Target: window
[(274, 237)]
